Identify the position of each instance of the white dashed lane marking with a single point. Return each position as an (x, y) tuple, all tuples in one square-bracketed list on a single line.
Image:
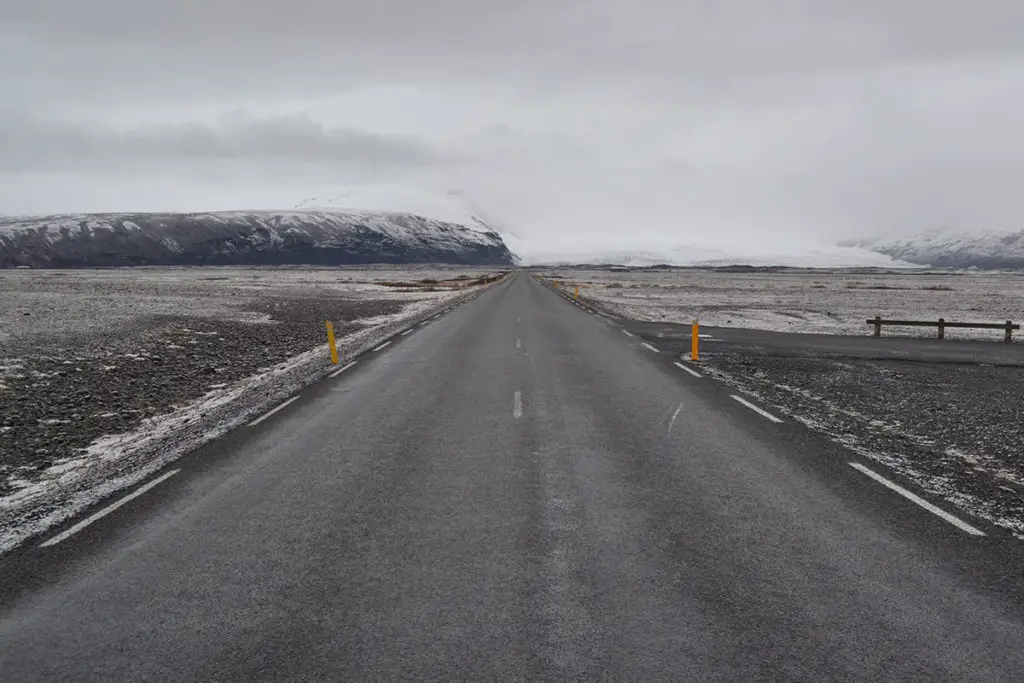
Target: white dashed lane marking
[(958, 523), (759, 411), (107, 510), (686, 369), (341, 369), (267, 414)]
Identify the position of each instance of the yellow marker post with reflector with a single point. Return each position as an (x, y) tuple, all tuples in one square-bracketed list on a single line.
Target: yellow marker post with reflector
[(331, 344), (694, 340)]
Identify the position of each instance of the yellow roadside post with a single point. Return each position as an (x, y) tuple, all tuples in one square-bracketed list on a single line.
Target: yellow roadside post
[(694, 340), (330, 342), (577, 294), (556, 284)]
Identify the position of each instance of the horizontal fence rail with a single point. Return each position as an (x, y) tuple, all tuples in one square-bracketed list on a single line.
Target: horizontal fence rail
[(942, 324)]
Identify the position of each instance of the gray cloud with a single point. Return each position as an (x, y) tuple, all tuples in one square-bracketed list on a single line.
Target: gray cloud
[(32, 143), (790, 120)]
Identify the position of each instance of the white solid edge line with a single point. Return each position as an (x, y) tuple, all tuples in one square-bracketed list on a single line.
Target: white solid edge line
[(267, 414), (958, 523), (383, 346), (686, 369), (759, 411), (425, 322), (517, 404), (650, 347), (627, 333), (408, 331), (106, 511), (342, 369)]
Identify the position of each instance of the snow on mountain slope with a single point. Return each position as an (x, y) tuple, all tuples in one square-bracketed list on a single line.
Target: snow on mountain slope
[(951, 249), (448, 207), (243, 238)]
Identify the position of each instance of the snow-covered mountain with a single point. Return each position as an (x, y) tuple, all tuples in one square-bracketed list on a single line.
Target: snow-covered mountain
[(947, 249), (318, 237)]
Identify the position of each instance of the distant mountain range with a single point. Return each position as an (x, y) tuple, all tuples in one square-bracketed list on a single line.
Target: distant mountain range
[(944, 249), (324, 237)]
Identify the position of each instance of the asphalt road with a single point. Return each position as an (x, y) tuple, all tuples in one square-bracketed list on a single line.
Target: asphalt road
[(516, 491)]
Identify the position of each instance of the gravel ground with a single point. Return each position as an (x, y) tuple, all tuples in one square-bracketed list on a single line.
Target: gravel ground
[(953, 429), (95, 364), (821, 301)]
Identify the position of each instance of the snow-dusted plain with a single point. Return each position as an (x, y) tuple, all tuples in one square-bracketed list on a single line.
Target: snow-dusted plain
[(813, 301), (105, 376)]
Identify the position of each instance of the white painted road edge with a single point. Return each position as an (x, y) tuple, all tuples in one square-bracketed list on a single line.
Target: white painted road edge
[(267, 414), (650, 347), (383, 346), (408, 331), (517, 404), (762, 413), (686, 369), (107, 510), (627, 333), (342, 369), (958, 523)]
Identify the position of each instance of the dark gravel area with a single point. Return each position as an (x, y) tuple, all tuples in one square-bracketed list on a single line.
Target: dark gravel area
[(65, 398)]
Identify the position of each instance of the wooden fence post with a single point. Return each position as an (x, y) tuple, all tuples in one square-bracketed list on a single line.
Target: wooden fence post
[(878, 326), (1009, 331), (942, 328)]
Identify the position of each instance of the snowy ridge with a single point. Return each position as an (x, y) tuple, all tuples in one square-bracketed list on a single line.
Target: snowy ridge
[(297, 236), (952, 249)]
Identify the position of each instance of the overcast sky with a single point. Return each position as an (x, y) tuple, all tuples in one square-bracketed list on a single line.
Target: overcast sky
[(599, 120)]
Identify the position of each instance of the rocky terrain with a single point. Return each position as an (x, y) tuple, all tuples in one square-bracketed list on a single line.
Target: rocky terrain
[(105, 375), (324, 238)]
